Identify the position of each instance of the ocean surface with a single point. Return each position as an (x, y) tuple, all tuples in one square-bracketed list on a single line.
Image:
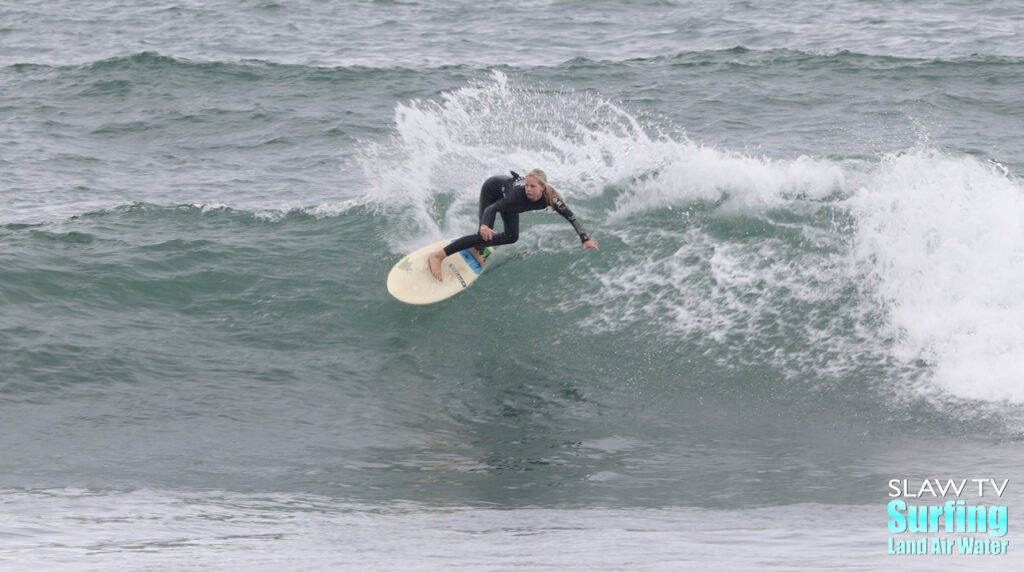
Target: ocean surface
[(811, 227)]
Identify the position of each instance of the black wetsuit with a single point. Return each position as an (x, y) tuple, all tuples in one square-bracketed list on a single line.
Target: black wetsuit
[(507, 195)]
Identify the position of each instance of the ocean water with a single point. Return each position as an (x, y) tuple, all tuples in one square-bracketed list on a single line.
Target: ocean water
[(811, 224)]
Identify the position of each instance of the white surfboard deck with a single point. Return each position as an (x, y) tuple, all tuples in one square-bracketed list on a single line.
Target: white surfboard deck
[(411, 282)]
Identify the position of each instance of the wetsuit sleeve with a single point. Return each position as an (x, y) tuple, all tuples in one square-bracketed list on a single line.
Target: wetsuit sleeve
[(491, 212), (564, 210)]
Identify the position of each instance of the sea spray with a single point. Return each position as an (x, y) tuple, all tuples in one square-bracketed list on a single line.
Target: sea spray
[(432, 166)]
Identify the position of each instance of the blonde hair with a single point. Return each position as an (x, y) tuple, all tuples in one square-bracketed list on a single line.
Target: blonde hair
[(550, 194)]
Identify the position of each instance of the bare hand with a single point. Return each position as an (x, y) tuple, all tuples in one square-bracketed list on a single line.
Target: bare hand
[(590, 244), (486, 232)]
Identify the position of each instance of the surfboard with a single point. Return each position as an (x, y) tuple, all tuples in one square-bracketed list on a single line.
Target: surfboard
[(411, 282)]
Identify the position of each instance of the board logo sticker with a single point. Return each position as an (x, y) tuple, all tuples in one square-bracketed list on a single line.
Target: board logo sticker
[(458, 275), (473, 263)]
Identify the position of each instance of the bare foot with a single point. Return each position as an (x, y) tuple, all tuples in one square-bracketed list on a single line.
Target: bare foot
[(478, 255), (434, 261)]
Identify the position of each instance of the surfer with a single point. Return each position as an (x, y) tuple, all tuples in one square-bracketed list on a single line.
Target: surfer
[(509, 196)]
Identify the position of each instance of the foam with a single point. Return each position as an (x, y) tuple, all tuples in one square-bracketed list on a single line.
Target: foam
[(689, 173), (736, 303), (941, 240), (925, 283)]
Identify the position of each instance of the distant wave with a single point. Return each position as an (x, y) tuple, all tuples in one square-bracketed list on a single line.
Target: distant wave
[(157, 61), (737, 55), (741, 55)]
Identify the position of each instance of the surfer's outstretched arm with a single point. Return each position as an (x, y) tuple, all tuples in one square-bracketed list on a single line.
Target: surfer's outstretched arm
[(564, 210)]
